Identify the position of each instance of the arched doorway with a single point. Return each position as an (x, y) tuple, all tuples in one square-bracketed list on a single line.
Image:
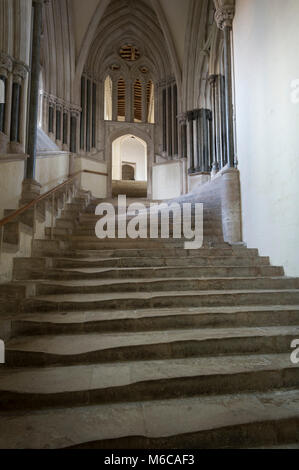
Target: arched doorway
[(128, 172), (116, 134), (129, 166)]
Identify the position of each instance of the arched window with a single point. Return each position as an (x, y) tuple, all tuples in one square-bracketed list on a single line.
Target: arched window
[(108, 99), (121, 100), (137, 101), (150, 99)]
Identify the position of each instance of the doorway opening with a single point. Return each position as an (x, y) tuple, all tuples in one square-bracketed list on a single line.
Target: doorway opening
[(129, 166)]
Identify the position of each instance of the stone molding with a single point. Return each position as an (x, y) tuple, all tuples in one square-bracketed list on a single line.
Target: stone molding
[(224, 16), (54, 100), (20, 71), (6, 64)]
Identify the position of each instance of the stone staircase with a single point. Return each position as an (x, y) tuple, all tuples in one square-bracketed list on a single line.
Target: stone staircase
[(143, 344)]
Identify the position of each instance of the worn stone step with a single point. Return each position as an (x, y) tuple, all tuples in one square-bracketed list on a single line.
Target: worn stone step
[(142, 300), (207, 422), (144, 380), (131, 262), (95, 244), (89, 348), (101, 321), (212, 230), (206, 250), (165, 252), (65, 224), (128, 273), (90, 286)]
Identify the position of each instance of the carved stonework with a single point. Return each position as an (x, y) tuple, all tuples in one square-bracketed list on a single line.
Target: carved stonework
[(224, 16), (19, 72), (5, 64), (212, 80), (182, 118), (190, 116)]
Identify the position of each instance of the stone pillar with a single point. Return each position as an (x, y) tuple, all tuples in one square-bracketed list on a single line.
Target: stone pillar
[(73, 143), (183, 131), (8, 104), (214, 149), (197, 141), (94, 115), (164, 119), (190, 118), (88, 107), (17, 111), (169, 121), (51, 119), (2, 103), (45, 120), (5, 108), (58, 134), (65, 130), (82, 116), (34, 88), (231, 206), (174, 93), (224, 18), (206, 116)]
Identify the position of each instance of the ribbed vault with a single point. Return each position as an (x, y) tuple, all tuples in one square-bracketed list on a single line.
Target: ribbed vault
[(133, 23)]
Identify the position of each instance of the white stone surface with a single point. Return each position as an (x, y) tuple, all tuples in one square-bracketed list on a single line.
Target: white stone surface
[(266, 43), (167, 180)]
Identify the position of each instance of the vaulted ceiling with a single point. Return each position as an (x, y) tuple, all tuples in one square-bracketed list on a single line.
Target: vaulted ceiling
[(172, 13)]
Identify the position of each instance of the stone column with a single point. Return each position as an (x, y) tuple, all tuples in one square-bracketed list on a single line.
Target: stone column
[(231, 206), (15, 109), (58, 125), (206, 116), (197, 141), (73, 143), (175, 120), (214, 149), (65, 130), (164, 119), (88, 107), (183, 131), (224, 18), (5, 108), (51, 118), (169, 121), (94, 115), (45, 121), (19, 75), (82, 117), (2, 103), (190, 118), (34, 88)]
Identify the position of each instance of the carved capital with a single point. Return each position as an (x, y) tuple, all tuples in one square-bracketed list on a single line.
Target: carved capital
[(190, 116), (182, 118), (75, 111), (224, 16), (212, 80), (20, 71), (5, 64)]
